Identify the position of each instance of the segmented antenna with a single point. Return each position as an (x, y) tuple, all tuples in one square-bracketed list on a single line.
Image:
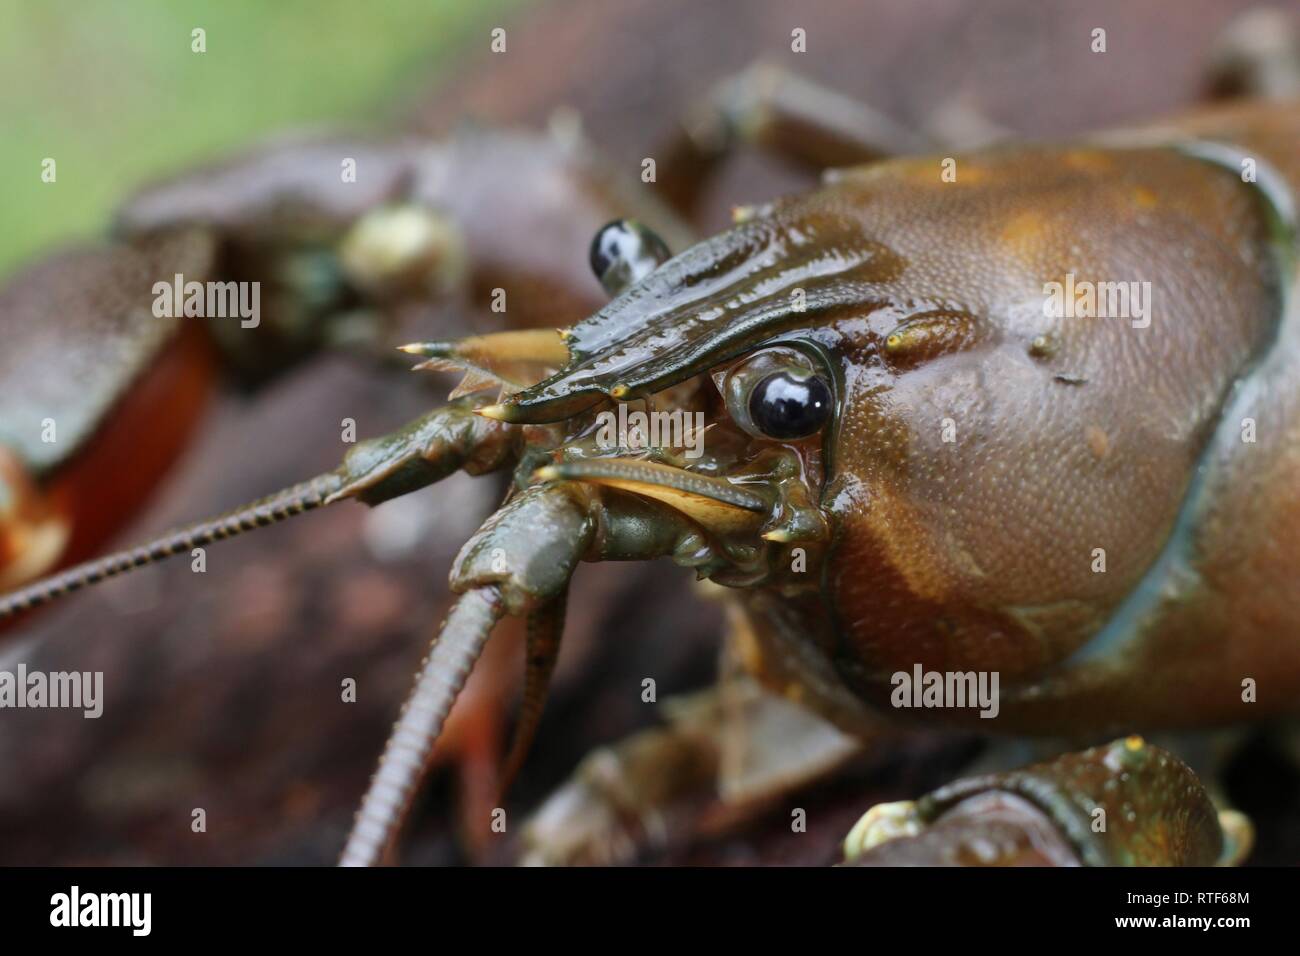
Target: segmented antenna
[(406, 756), (283, 504)]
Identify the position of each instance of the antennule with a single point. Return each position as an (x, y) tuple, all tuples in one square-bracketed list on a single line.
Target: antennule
[(265, 511)]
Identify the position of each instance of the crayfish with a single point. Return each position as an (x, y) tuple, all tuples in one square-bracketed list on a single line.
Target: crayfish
[(913, 468)]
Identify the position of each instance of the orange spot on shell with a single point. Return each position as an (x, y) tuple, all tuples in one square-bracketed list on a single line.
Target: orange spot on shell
[(1023, 231), (1098, 442), (1089, 161), (1145, 198)]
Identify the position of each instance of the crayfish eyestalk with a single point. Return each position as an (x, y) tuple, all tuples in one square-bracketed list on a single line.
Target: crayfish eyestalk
[(406, 757), (295, 500)]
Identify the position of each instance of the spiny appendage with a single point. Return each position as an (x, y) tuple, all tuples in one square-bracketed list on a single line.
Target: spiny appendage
[(265, 511), (545, 628), (406, 756)]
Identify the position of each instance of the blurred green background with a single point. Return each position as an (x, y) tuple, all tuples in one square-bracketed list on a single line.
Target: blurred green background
[(113, 92)]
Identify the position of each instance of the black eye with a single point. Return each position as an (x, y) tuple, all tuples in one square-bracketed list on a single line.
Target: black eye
[(624, 252), (782, 406)]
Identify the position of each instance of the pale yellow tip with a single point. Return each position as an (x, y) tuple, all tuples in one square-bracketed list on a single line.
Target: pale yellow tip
[(412, 348), (499, 412), (547, 473), (779, 535), (619, 391)]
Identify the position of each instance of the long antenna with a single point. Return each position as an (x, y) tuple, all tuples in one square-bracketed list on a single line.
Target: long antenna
[(406, 756), (283, 504)]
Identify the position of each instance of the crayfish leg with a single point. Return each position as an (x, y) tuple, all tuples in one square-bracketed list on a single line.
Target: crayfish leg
[(792, 117), (727, 755), (1143, 807)]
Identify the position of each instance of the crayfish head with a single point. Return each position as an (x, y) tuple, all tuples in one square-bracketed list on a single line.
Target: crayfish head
[(712, 384), (972, 458)]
